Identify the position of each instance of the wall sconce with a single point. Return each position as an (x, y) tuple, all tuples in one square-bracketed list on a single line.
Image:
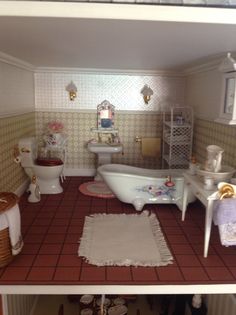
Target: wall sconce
[(72, 89), (147, 92)]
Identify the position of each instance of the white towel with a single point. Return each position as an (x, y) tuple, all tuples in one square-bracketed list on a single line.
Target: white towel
[(11, 219), (3, 222), (227, 234)]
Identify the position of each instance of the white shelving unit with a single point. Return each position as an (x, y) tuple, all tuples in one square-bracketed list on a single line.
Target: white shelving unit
[(177, 137)]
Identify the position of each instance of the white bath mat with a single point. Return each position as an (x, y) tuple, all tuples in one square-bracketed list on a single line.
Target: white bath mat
[(124, 240)]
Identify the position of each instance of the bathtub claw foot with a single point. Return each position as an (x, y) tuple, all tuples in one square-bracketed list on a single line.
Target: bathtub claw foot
[(138, 204)]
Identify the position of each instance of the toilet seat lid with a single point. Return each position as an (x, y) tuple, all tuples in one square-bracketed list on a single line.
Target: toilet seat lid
[(49, 162)]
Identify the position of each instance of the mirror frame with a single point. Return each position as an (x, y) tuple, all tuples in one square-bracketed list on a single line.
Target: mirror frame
[(105, 115), (228, 99)]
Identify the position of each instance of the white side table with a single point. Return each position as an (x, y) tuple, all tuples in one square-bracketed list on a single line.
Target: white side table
[(192, 184)]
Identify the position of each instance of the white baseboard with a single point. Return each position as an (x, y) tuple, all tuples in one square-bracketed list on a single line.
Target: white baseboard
[(79, 172), (67, 172), (22, 188)]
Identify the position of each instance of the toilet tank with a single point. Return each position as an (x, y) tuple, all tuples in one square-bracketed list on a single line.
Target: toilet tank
[(28, 151)]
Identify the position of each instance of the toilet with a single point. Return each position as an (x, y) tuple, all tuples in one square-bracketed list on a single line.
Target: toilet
[(47, 171)]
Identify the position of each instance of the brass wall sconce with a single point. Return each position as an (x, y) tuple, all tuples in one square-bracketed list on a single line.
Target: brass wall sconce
[(72, 89), (147, 93)]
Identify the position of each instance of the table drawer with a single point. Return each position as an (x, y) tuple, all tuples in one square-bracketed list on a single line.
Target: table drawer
[(197, 193)]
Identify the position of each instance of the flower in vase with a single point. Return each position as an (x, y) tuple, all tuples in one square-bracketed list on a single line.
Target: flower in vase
[(55, 127)]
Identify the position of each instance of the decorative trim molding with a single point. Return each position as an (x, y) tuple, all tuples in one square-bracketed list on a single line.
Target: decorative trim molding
[(109, 71), (197, 116), (65, 110), (226, 121), (204, 67), (13, 61), (19, 112), (78, 110)]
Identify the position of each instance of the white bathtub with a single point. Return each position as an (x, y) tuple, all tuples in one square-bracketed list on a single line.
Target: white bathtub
[(141, 186)]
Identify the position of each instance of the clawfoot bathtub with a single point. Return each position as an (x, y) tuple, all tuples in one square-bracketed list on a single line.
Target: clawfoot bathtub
[(140, 186)]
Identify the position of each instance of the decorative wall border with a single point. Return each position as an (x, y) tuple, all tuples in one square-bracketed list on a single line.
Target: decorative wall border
[(16, 113)]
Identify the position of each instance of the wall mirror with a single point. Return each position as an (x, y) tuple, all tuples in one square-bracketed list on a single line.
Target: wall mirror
[(228, 99), (105, 115)]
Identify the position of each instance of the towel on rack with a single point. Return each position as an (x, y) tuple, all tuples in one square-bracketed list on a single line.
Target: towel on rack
[(227, 234), (11, 219), (151, 147), (224, 215), (224, 211)]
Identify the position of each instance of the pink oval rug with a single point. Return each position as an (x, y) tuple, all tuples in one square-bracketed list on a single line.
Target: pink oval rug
[(96, 189)]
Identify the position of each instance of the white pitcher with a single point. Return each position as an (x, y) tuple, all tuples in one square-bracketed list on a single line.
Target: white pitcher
[(214, 158)]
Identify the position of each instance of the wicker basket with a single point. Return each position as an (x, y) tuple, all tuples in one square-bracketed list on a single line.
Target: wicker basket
[(9, 200), (5, 248)]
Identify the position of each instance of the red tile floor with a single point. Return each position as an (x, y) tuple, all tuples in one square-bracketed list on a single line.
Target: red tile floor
[(52, 228)]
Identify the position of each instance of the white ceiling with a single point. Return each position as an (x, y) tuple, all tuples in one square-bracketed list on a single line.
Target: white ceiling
[(107, 43)]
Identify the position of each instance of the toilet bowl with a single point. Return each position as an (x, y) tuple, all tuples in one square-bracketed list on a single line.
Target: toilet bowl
[(48, 176)]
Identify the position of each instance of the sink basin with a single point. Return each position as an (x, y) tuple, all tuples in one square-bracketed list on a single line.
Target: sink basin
[(104, 148), (224, 175)]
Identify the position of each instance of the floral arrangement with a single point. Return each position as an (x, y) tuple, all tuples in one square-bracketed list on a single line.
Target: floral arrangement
[(55, 127)]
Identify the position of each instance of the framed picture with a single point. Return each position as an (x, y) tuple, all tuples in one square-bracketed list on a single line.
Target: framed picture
[(228, 99)]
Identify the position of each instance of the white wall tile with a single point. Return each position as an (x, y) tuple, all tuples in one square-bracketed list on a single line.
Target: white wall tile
[(123, 91)]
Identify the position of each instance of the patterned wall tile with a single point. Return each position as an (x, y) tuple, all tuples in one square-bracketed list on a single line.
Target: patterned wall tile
[(209, 132), (78, 129), (12, 129)]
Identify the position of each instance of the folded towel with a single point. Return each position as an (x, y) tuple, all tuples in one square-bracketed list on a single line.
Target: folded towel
[(228, 234), (12, 217), (151, 147), (224, 211)]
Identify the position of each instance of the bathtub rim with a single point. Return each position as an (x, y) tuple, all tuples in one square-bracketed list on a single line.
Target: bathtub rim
[(122, 167)]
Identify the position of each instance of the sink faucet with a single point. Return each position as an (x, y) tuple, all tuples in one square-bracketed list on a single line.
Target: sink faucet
[(99, 138), (115, 139), (112, 138)]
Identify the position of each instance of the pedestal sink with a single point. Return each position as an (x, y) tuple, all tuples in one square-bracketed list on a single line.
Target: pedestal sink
[(104, 152)]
